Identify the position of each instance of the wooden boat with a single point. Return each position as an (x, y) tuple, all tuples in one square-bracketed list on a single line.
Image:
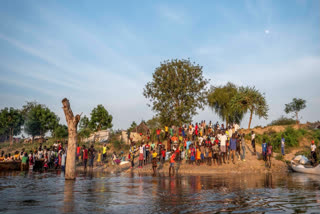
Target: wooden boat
[(10, 165), (305, 169)]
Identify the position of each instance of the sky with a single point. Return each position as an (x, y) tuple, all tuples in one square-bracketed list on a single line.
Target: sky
[(104, 52)]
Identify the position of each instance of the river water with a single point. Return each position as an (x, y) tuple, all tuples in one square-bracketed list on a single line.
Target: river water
[(97, 192)]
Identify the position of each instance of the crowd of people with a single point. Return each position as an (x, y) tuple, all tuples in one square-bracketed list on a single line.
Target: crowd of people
[(42, 157), (199, 143)]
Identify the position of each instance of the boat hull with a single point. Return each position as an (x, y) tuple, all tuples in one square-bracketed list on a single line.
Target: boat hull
[(300, 168)]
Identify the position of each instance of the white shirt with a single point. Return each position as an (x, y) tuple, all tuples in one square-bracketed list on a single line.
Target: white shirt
[(253, 136), (313, 147), (230, 133), (141, 149), (282, 142), (223, 139), (236, 127)]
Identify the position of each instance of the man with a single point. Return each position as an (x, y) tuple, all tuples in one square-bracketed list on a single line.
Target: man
[(158, 134), (147, 152), (63, 161), (282, 145), (313, 153), (236, 127), (84, 156), (223, 141), (233, 148), (78, 152), (243, 146), (253, 141), (91, 155)]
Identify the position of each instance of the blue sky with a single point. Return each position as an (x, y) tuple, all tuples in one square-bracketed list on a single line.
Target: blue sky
[(104, 52)]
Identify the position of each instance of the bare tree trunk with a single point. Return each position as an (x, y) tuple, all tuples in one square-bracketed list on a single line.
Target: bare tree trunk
[(250, 119), (11, 136), (72, 140), (297, 118)]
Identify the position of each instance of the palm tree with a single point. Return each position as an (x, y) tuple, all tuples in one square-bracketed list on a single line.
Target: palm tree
[(250, 99), (219, 99)]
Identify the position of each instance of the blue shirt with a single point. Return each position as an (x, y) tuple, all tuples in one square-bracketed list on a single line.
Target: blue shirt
[(233, 144), (188, 144), (264, 147)]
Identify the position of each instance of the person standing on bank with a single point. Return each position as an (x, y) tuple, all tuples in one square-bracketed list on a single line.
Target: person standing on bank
[(253, 141), (282, 145)]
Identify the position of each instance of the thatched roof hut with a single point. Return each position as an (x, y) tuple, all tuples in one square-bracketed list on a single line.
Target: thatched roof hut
[(143, 128)]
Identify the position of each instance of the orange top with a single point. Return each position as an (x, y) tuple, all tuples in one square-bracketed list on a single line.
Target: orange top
[(172, 158)]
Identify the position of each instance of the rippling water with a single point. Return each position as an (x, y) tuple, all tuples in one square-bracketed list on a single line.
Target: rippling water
[(133, 193)]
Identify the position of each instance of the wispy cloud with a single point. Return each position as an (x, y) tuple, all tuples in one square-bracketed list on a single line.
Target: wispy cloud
[(172, 14)]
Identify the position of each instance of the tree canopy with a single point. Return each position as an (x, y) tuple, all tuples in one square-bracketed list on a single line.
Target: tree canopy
[(39, 119), (100, 119), (295, 106), (252, 100), (84, 122), (61, 131), (176, 91), (11, 121), (219, 100)]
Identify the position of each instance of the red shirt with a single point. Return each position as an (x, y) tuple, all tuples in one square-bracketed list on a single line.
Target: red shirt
[(78, 149), (158, 131), (163, 153), (85, 154), (173, 156)]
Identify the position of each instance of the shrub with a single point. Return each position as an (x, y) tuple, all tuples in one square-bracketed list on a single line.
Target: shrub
[(279, 157), (282, 121)]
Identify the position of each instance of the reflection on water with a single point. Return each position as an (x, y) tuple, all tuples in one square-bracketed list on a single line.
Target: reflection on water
[(28, 192)]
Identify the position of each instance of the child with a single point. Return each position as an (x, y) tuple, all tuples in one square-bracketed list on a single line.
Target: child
[(163, 154), (264, 151), (173, 156), (99, 158), (198, 156), (154, 161), (192, 154)]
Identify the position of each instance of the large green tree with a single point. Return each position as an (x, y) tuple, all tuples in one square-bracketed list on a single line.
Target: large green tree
[(252, 100), (219, 99), (84, 122), (295, 106), (100, 119), (39, 119), (177, 90), (61, 131), (11, 121)]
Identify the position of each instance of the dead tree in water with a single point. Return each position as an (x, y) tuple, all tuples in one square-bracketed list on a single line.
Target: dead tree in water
[(72, 139)]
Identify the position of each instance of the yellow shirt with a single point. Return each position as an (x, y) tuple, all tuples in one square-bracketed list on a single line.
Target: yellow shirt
[(104, 150), (16, 157), (1, 158), (154, 155), (166, 128), (99, 158)]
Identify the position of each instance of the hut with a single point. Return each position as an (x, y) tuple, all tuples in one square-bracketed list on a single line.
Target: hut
[(143, 129)]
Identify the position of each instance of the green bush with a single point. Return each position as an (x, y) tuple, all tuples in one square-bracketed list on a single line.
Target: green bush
[(282, 121)]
